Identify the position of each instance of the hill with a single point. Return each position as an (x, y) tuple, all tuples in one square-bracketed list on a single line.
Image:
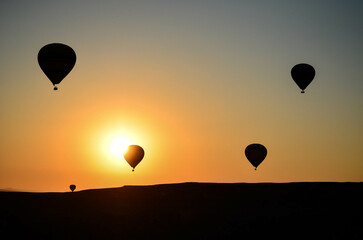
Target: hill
[(188, 211)]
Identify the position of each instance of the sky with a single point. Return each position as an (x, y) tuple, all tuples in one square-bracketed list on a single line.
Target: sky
[(192, 82)]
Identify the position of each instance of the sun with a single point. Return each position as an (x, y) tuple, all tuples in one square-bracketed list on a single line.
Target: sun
[(118, 146)]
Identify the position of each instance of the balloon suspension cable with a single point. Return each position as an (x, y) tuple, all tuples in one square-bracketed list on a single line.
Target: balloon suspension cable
[(302, 91)]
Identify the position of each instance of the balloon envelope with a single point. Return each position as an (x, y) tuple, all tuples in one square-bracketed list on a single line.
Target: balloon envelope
[(255, 153), (72, 187), (56, 60), (133, 155), (303, 74)]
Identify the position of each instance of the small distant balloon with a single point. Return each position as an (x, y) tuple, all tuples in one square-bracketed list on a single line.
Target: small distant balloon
[(303, 74), (72, 187), (255, 153), (133, 155), (56, 60)]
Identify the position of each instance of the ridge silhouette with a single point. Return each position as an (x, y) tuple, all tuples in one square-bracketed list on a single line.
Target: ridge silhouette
[(188, 211)]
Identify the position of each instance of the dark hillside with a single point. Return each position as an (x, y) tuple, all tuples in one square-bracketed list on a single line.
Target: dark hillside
[(188, 211)]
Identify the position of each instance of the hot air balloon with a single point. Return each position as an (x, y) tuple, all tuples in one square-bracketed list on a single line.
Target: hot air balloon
[(133, 155), (303, 74), (56, 60), (72, 187), (255, 153)]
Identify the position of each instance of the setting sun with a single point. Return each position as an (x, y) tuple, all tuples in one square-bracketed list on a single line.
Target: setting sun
[(118, 146)]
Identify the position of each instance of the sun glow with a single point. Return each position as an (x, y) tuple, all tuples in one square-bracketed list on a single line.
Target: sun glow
[(118, 146), (109, 143)]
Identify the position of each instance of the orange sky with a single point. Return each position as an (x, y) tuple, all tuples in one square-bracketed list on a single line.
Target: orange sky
[(192, 84)]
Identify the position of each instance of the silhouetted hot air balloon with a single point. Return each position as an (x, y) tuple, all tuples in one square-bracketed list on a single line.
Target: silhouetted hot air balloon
[(303, 74), (133, 155), (255, 153), (56, 60), (72, 187)]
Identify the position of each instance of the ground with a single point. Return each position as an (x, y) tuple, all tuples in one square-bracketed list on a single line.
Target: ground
[(188, 211)]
